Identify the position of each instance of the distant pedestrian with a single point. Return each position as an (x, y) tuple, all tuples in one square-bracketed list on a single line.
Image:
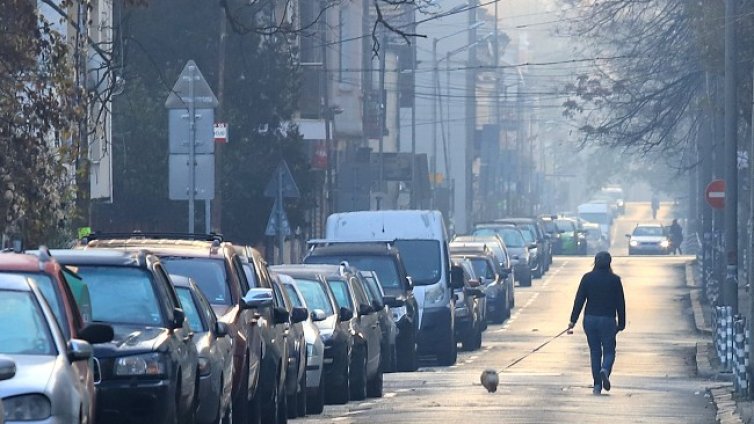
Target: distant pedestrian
[(676, 237), (655, 205), (602, 291)]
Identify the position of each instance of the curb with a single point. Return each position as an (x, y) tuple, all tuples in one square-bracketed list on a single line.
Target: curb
[(721, 395)]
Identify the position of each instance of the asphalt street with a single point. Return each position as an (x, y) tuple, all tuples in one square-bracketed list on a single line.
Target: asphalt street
[(653, 380)]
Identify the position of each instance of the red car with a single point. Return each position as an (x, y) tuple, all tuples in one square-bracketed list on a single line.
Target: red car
[(64, 292)]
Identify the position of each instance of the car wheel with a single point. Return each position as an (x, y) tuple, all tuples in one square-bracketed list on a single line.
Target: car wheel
[(340, 393), (449, 355), (359, 377), (526, 280), (374, 386), (315, 402), (406, 357)]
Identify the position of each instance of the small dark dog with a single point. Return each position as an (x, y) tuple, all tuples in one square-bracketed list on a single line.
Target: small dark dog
[(490, 380)]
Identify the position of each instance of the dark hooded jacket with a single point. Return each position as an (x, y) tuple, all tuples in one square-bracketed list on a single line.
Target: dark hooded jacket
[(603, 293)]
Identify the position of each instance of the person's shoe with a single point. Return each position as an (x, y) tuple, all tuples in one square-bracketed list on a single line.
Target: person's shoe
[(597, 389), (605, 380)]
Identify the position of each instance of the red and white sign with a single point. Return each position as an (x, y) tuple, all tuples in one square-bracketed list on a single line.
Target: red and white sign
[(715, 194), (221, 132)]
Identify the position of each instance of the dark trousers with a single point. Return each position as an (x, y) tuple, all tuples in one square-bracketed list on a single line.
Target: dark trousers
[(600, 334)]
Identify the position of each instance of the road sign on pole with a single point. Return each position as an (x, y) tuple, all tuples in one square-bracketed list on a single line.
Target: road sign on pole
[(191, 92), (283, 178), (715, 194)]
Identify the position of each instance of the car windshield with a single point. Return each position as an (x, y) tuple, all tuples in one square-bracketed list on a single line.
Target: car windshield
[(191, 309), (565, 225), (340, 290), (528, 233), (422, 260), (293, 296), (648, 231), (511, 235), (209, 275), (45, 285), (315, 295), (482, 268), (383, 266), (595, 217), (23, 327), (122, 295)]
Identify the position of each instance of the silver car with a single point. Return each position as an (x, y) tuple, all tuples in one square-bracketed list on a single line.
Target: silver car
[(315, 349), (47, 386), (7, 371), (214, 350)]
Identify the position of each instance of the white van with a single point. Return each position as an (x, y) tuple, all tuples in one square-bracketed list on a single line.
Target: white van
[(422, 240), (597, 213)]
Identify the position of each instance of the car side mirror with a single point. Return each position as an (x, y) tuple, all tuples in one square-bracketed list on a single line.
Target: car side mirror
[(280, 315), (7, 369), (221, 329), (79, 350), (456, 277), (299, 315), (96, 333), (345, 314), (257, 298), (178, 318), (365, 309), (318, 315), (410, 283), (393, 302)]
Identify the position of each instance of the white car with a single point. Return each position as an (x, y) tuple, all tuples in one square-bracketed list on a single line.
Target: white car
[(315, 349), (648, 239), (47, 386)]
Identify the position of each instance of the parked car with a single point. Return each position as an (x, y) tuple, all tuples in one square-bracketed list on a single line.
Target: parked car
[(43, 378), (7, 371), (540, 256), (469, 325), (349, 291), (388, 328), (421, 237), (295, 382), (499, 287), (334, 329), (274, 324), (570, 240), (51, 281), (214, 350), (217, 269), (315, 349), (149, 371), (517, 247), (386, 262), (648, 239)]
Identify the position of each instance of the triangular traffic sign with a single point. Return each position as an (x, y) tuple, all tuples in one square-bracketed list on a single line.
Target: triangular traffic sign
[(290, 189), (180, 98), (272, 222)]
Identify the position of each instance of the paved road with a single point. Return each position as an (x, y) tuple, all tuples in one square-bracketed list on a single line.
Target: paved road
[(654, 378)]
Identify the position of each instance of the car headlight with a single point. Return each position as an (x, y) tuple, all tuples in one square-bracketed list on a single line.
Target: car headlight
[(633, 243), (620, 203), (149, 364), (398, 313), (434, 295), (665, 243), (34, 407), (204, 366)]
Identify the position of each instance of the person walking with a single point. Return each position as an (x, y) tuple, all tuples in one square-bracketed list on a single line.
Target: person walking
[(602, 291), (655, 205), (676, 237)]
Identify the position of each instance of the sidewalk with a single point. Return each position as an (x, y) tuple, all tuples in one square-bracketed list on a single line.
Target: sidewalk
[(720, 387)]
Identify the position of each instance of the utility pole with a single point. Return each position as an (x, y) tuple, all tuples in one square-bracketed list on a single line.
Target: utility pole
[(326, 112), (217, 210), (414, 191), (730, 288), (470, 114), (383, 115), (498, 118), (192, 148), (750, 224), (435, 99)]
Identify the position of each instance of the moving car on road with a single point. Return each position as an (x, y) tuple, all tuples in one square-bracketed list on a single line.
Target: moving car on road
[(46, 376), (648, 239)]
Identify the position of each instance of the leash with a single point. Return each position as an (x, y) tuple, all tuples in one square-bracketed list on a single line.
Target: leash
[(512, 364)]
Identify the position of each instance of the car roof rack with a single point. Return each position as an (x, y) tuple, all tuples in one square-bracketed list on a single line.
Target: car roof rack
[(213, 237)]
